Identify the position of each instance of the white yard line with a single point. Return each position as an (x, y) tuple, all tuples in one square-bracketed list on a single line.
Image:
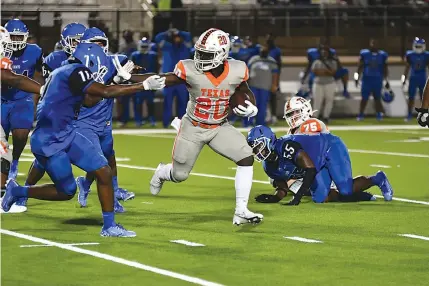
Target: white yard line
[(388, 153), (255, 181), (111, 258), (147, 203), (380, 166), (71, 244), (302, 239), (415, 236), (187, 243)]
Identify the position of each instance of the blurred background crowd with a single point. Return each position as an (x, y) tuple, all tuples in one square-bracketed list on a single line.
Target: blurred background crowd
[(273, 37)]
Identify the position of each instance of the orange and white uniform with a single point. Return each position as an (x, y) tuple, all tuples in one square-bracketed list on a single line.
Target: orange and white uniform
[(310, 126), (5, 63)]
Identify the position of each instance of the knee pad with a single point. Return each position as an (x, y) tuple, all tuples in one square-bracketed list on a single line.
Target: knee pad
[(68, 187), (178, 175), (5, 166)]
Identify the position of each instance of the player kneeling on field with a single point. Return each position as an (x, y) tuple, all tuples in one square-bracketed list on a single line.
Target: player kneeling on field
[(316, 159)]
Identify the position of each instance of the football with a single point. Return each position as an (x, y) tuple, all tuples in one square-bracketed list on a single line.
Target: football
[(238, 98)]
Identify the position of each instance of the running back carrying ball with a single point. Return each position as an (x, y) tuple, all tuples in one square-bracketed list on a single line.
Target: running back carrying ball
[(238, 98)]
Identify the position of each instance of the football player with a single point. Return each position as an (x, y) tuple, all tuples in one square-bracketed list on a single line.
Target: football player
[(57, 142), (417, 61), (70, 37), (17, 108), (307, 157), (423, 113), (314, 54), (211, 78), (373, 65), (10, 79)]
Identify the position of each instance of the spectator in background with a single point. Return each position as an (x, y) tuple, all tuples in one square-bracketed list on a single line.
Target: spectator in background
[(276, 54), (175, 46), (237, 51), (123, 103), (263, 81), (148, 60), (250, 49), (324, 69)]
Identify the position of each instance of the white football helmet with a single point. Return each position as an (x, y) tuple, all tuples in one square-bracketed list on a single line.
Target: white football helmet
[(297, 111), (211, 49), (5, 41)]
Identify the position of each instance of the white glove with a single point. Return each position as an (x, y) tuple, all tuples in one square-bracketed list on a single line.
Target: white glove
[(122, 72), (176, 123), (248, 111), (154, 82)]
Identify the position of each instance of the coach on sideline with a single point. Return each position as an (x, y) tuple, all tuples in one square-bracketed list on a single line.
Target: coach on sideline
[(324, 85)]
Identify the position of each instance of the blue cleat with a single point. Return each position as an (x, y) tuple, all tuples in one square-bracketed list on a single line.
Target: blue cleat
[(22, 202), (82, 196), (124, 195), (360, 117), (117, 231), (379, 116), (346, 94), (384, 185), (8, 199), (13, 172), (117, 207)]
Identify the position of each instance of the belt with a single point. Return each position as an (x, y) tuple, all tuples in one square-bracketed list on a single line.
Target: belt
[(205, 125)]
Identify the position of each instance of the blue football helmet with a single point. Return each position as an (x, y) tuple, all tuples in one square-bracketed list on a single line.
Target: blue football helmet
[(236, 44), (261, 139), (419, 45), (144, 45), (18, 32), (387, 95), (94, 58), (70, 36), (95, 35)]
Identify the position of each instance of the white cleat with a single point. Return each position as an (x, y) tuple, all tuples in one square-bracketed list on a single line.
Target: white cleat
[(156, 182), (15, 209), (247, 217)]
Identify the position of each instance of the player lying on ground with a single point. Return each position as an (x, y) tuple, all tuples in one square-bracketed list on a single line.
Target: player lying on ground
[(318, 159), (9, 79), (56, 142), (211, 80)]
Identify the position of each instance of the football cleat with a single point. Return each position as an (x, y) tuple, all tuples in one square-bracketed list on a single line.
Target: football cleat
[(246, 217), (385, 187), (82, 196), (8, 199), (22, 202), (156, 183), (117, 207), (13, 172), (117, 231), (124, 195)]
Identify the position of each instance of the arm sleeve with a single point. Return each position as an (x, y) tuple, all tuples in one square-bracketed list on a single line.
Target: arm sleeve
[(80, 79), (290, 150), (39, 62), (246, 74)]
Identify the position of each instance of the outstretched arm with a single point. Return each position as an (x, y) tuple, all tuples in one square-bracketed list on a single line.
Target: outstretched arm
[(19, 81), (170, 78)]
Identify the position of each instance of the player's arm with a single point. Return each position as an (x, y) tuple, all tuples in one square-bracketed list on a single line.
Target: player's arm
[(318, 69), (293, 151), (406, 71), (275, 78), (307, 70), (386, 75), (359, 70), (279, 194), (38, 76), (19, 81)]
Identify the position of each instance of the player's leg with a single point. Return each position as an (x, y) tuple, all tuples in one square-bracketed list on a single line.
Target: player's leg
[(35, 173), (365, 92), (264, 97), (412, 88), (343, 74), (150, 96), (273, 106), (21, 121), (182, 100), (95, 162), (138, 108), (6, 158), (329, 100), (231, 144), (168, 106), (376, 92), (321, 186), (318, 94), (187, 147)]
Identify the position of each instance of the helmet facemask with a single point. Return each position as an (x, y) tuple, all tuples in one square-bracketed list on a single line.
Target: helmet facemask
[(261, 148), (206, 60), (18, 41), (297, 116), (419, 48), (70, 42)]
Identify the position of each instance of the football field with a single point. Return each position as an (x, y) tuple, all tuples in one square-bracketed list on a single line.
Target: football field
[(185, 235)]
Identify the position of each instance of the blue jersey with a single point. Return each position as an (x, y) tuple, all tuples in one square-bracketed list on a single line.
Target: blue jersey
[(314, 54), (276, 54), (59, 107), (147, 60), (288, 147), (24, 62), (53, 61), (245, 54), (241, 55), (97, 115), (373, 63), (418, 63), (171, 53)]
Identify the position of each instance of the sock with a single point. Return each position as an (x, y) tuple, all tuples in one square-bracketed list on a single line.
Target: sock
[(243, 185), (375, 180), (108, 219), (20, 191), (164, 173), (115, 183), (379, 114), (87, 184), (14, 165)]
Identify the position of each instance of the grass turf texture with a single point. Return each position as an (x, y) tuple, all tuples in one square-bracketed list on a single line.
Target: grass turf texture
[(360, 245)]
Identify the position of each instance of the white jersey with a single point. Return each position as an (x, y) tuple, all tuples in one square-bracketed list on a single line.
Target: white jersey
[(310, 126), (208, 95)]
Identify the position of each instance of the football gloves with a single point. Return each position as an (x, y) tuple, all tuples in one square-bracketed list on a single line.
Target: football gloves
[(154, 82), (267, 199), (123, 73), (249, 111), (423, 117), (295, 201)]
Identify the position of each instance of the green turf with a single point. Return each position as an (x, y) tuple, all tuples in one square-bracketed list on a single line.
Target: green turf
[(360, 245)]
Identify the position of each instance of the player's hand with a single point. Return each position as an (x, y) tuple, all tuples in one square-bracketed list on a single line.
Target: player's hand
[(267, 199), (122, 72), (423, 117), (403, 80), (294, 202), (356, 78), (154, 82), (249, 111), (387, 85)]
